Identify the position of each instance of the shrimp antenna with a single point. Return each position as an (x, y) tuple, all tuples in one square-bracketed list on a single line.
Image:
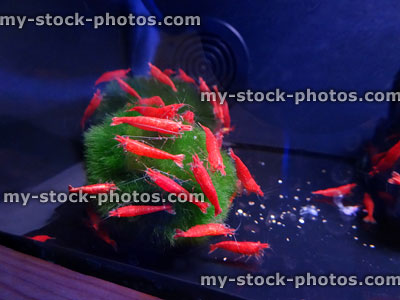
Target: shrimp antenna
[(261, 198), (188, 105), (105, 218), (145, 167), (119, 145), (237, 228), (269, 247), (142, 141), (176, 97), (234, 237), (173, 176), (131, 181), (150, 137), (162, 146)]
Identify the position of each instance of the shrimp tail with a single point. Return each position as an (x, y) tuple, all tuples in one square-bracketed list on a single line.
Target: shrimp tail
[(369, 219), (169, 209), (213, 247), (115, 121), (113, 213), (217, 211), (203, 206), (114, 245), (179, 160), (178, 233), (222, 170)]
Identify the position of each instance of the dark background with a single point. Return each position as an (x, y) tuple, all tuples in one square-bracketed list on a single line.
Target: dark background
[(293, 45)]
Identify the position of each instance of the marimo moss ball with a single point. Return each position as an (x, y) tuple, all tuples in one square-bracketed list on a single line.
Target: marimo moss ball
[(106, 161)]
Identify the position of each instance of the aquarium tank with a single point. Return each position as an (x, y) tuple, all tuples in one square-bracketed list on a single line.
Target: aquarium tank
[(201, 150)]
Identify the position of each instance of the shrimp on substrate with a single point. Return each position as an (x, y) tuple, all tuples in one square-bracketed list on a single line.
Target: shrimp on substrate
[(214, 153), (141, 149), (112, 75), (138, 210), (41, 238), (98, 188), (244, 176), (342, 190), (211, 229), (161, 77), (127, 88), (153, 124), (244, 248), (170, 186), (155, 100), (91, 108), (206, 185), (185, 77)]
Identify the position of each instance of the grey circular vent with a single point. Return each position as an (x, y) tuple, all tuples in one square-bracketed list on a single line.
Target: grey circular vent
[(215, 52), (209, 57)]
